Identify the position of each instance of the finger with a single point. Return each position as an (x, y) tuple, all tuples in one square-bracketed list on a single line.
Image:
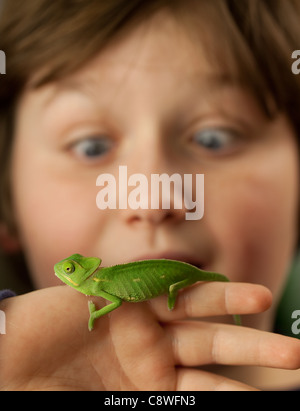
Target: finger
[(213, 299), (199, 343), (197, 380)]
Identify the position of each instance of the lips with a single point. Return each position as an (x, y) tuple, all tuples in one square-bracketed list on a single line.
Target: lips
[(183, 257), (70, 281)]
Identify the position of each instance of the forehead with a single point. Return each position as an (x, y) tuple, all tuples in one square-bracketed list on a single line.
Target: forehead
[(160, 46), (159, 43), (196, 54), (179, 37)]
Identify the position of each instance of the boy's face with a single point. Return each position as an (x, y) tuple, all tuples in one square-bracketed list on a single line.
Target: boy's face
[(152, 102)]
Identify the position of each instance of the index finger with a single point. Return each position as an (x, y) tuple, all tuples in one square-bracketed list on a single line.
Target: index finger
[(214, 299)]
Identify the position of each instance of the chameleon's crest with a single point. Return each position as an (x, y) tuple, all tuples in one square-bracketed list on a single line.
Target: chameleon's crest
[(76, 269)]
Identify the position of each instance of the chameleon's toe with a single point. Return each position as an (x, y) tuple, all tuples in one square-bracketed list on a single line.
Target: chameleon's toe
[(92, 307), (91, 323)]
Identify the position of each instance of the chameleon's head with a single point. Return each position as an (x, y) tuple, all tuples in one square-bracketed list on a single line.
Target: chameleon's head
[(75, 270)]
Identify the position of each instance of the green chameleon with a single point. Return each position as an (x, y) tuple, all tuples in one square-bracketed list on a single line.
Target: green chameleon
[(132, 282)]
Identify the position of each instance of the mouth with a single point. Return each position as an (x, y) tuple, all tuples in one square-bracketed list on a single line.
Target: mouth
[(183, 257), (70, 281)]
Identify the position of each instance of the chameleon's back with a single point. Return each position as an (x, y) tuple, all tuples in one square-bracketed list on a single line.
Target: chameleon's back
[(143, 280)]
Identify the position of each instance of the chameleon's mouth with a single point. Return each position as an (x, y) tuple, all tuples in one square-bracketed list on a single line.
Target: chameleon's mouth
[(70, 281)]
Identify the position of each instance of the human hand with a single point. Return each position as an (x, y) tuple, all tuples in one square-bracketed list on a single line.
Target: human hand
[(139, 346)]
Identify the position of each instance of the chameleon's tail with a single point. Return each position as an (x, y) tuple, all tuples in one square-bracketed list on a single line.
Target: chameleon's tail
[(210, 276), (237, 320)]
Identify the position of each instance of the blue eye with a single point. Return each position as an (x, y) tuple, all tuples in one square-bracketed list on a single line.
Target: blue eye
[(92, 148), (215, 139)]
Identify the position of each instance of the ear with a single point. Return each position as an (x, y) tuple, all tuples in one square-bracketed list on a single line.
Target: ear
[(9, 243)]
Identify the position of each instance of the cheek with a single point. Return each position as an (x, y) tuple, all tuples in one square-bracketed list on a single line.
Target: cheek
[(255, 224), (55, 219)]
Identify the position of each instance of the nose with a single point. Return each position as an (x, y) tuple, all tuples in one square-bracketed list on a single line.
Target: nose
[(156, 199), (157, 194), (151, 217)]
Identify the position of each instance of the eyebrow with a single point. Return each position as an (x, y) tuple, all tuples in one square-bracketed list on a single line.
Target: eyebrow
[(66, 85), (213, 82)]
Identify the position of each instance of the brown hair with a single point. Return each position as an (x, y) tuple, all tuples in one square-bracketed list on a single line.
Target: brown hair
[(254, 39)]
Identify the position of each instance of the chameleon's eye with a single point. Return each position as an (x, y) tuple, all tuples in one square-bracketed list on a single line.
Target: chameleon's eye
[(68, 268)]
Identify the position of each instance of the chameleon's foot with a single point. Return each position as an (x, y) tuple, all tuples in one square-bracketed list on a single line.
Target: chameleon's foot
[(92, 310), (91, 323), (173, 291), (92, 307), (94, 314)]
